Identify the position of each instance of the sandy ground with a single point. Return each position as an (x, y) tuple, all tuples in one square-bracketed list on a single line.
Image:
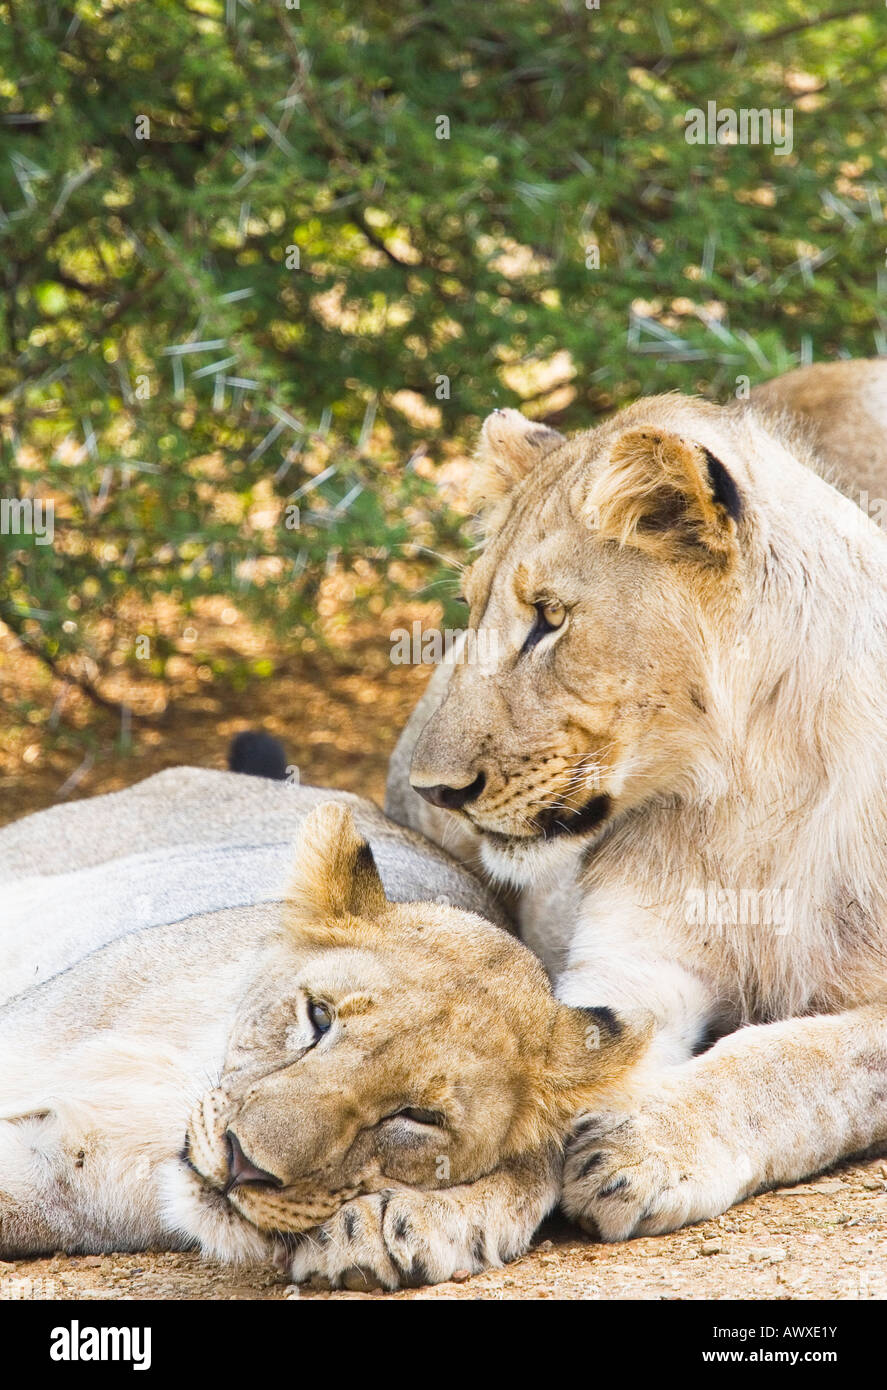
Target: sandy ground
[(825, 1239), (339, 719)]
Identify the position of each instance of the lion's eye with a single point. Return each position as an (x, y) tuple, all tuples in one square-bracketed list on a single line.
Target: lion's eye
[(320, 1017), (421, 1117), (552, 612), (550, 615)]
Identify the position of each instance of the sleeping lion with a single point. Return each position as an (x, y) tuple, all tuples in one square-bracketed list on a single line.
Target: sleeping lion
[(365, 1086), (679, 761)]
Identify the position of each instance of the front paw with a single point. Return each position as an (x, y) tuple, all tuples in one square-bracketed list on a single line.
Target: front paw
[(389, 1240), (649, 1172)]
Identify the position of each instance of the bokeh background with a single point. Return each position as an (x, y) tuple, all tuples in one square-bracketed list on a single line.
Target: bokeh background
[(265, 269)]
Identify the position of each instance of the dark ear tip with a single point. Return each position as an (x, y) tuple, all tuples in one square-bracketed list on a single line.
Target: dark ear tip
[(364, 858), (724, 489), (604, 1018)]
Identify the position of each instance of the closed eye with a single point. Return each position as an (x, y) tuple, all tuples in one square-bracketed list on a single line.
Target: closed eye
[(550, 615), (421, 1117)]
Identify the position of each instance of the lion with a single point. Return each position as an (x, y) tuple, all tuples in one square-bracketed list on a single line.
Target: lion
[(679, 764), (371, 1084)]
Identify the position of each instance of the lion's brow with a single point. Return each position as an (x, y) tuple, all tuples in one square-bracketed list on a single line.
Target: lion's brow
[(354, 1004)]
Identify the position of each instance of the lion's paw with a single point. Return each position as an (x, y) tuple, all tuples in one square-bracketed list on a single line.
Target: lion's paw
[(389, 1240), (644, 1174)]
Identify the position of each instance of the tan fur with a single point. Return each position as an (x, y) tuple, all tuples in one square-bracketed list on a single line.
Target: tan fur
[(840, 410), (654, 494), (716, 694), (508, 449), (151, 1054)]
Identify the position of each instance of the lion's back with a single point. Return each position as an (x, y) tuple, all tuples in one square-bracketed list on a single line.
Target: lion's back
[(841, 409), (184, 844)]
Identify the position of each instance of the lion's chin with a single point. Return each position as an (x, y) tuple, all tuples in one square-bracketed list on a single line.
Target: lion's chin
[(522, 860), (525, 862), (288, 1212), (196, 1212)]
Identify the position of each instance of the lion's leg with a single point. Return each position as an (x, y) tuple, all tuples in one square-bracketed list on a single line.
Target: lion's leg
[(405, 1237), (65, 1188), (31, 1222), (765, 1106)]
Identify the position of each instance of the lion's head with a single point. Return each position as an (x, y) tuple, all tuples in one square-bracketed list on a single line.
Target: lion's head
[(386, 1044), (614, 587)]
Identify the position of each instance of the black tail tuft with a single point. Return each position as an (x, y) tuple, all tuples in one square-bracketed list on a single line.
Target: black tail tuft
[(258, 754)]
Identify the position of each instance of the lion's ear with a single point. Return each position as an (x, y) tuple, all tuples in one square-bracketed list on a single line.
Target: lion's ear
[(335, 873), (510, 446), (666, 495), (591, 1050)]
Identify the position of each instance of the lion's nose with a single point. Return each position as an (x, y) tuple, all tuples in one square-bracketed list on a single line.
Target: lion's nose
[(453, 798), (241, 1169)]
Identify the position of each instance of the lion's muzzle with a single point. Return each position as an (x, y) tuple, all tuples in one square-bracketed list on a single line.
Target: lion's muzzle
[(556, 821)]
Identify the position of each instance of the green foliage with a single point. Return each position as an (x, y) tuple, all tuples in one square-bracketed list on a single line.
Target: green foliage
[(420, 258)]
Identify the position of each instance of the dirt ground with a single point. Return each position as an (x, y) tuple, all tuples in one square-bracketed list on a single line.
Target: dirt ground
[(339, 717), (824, 1239)]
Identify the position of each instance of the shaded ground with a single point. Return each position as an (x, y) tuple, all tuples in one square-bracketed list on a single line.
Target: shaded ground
[(339, 720), (338, 716)]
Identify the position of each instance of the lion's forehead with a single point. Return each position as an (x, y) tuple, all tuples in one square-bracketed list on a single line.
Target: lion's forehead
[(548, 552), (401, 1005)]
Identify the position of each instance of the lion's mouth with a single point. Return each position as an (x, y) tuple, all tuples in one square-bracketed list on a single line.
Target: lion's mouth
[(210, 1185), (274, 1209), (557, 822)]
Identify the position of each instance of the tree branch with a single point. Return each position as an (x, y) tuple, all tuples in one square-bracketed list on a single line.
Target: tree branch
[(727, 50), (82, 684)]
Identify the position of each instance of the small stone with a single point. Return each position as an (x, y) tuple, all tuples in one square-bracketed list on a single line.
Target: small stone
[(545, 1245), (873, 1184), (711, 1247), (767, 1254), (460, 1275), (91, 1261)]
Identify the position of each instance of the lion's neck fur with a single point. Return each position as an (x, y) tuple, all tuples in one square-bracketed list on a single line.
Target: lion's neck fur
[(785, 793)]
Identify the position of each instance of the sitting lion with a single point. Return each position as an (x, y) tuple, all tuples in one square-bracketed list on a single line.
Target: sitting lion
[(679, 760), (363, 1084)]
